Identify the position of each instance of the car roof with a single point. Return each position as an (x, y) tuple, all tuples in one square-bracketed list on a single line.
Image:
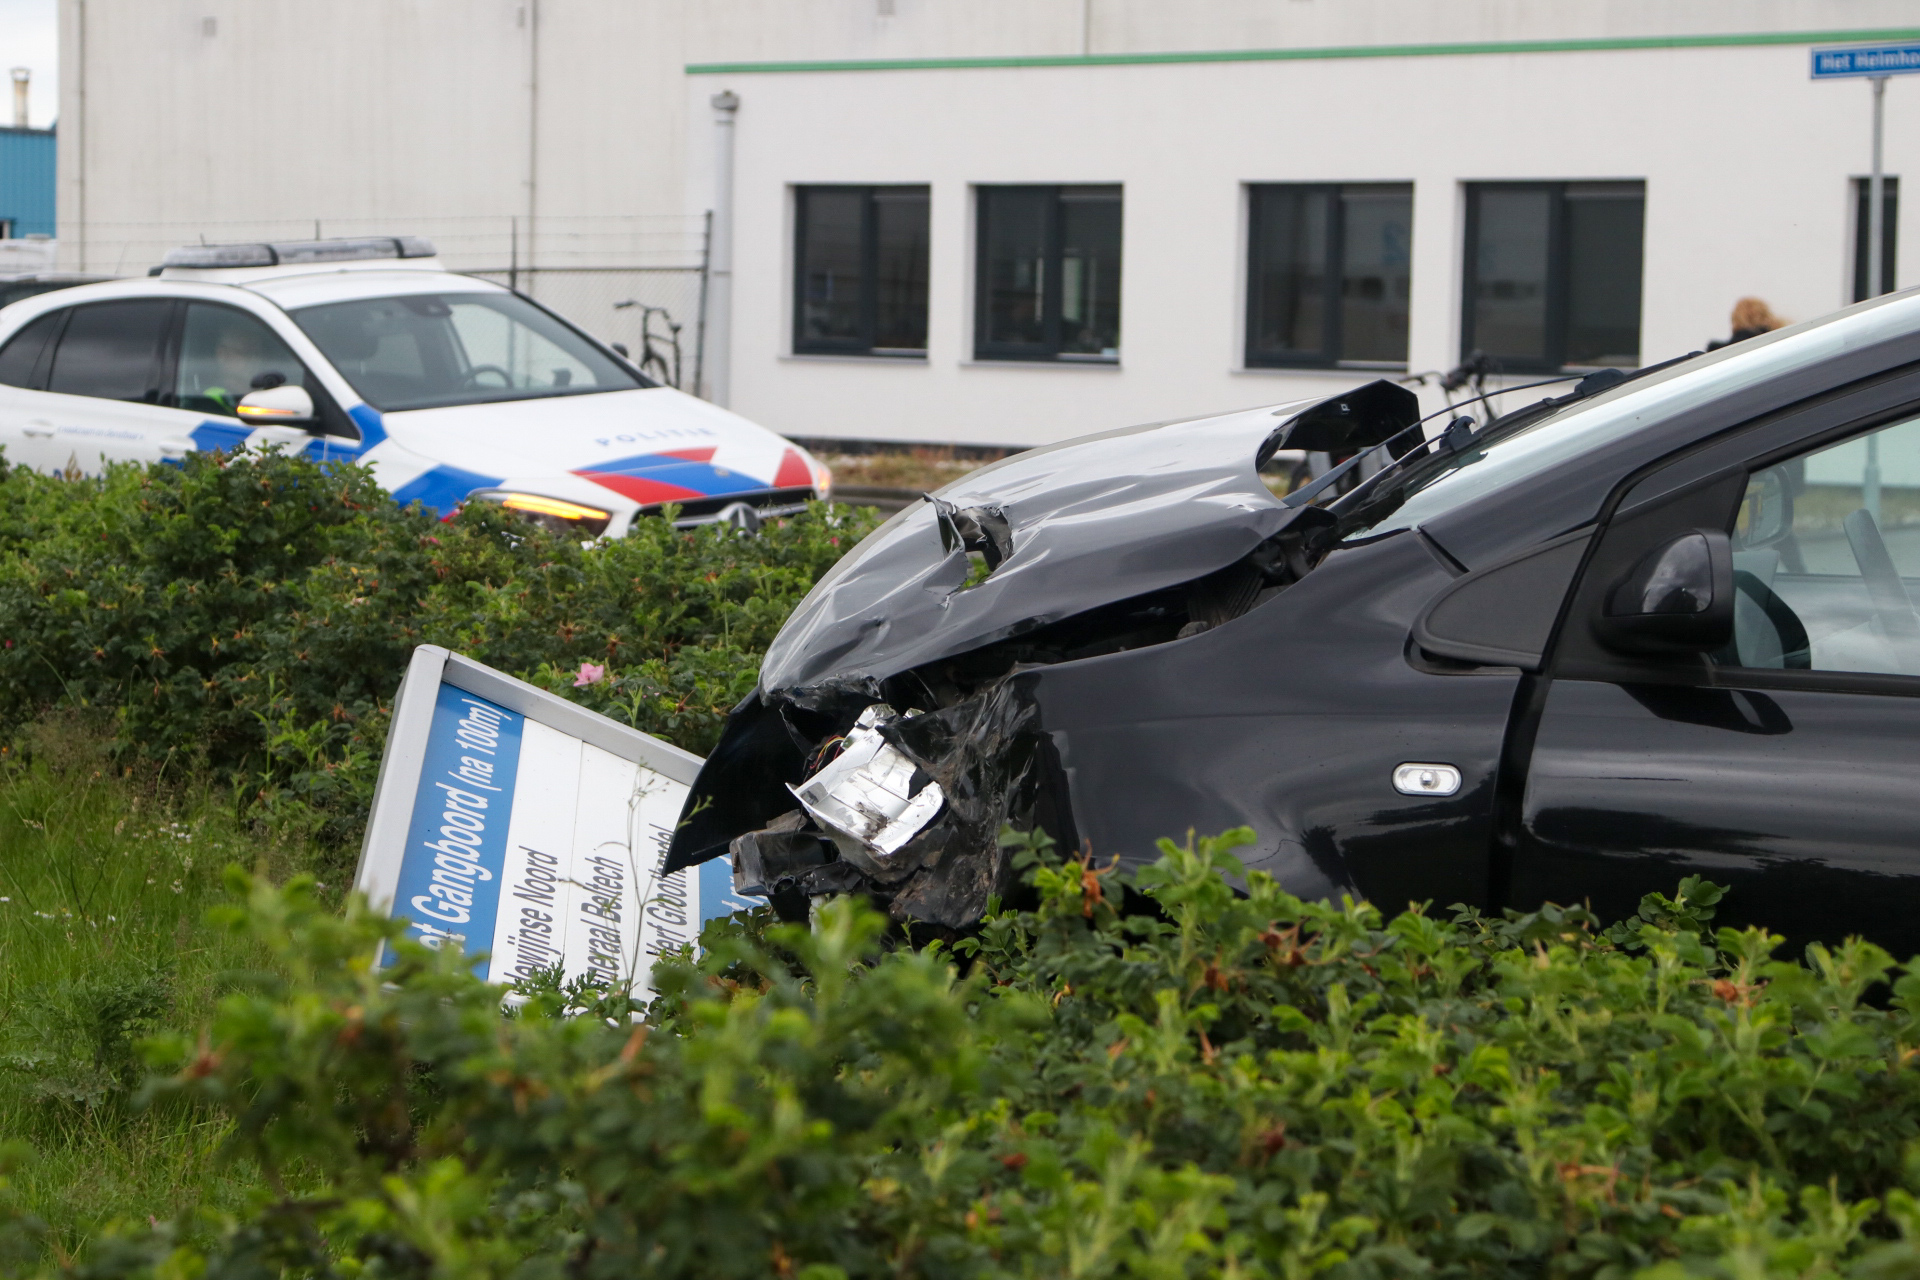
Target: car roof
[(308, 289), (286, 290)]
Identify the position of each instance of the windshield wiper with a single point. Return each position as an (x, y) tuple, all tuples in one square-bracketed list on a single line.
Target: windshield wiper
[(1455, 439)]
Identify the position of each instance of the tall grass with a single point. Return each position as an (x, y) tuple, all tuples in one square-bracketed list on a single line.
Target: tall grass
[(105, 879)]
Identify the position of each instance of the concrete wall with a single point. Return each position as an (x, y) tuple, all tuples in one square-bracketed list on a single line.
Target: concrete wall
[(241, 118), (458, 118)]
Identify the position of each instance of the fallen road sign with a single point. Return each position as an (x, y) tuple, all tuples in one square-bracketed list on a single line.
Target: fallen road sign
[(529, 831)]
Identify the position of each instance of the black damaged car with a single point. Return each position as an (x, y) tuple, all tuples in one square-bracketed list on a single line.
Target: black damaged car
[(1648, 626)]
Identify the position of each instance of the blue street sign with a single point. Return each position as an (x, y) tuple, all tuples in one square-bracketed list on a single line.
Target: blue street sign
[(1867, 60)]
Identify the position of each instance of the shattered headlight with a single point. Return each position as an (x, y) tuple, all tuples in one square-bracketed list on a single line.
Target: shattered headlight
[(870, 797), (556, 515)]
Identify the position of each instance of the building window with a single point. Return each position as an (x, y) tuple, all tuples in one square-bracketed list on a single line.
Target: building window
[(1889, 237), (1553, 274), (1049, 274), (1328, 274), (860, 278)]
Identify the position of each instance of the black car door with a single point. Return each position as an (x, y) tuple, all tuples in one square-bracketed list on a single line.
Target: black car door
[(1785, 764)]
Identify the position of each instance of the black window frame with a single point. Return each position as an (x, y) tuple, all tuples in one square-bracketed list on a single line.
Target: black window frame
[(1702, 487), (1889, 234), (1047, 351), (328, 416), (1559, 272), (1332, 321), (159, 367), (865, 345), (176, 346), (43, 358)]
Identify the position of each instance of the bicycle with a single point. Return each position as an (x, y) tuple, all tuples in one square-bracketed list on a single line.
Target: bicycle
[(653, 361), (1470, 374)]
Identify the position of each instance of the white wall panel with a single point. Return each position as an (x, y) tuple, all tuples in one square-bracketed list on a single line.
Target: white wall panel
[(235, 118), (1738, 202)]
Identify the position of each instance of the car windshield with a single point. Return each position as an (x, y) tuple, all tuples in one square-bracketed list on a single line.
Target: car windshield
[(1424, 491), (428, 350)]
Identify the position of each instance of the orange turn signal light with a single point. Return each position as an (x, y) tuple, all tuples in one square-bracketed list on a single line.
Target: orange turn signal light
[(555, 507)]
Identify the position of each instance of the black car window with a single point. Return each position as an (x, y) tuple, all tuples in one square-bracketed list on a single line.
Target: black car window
[(224, 354), (1826, 559), (21, 356), (108, 350)]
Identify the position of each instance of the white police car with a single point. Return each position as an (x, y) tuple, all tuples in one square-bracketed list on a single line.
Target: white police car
[(452, 388)]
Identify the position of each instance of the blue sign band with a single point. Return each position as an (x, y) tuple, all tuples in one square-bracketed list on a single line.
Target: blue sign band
[(717, 897), (449, 889), (1866, 60)]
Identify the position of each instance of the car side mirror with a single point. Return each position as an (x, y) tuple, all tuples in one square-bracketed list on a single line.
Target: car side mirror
[(282, 406), (1678, 599)]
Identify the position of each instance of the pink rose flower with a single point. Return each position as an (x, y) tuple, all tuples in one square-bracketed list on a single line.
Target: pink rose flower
[(588, 674)]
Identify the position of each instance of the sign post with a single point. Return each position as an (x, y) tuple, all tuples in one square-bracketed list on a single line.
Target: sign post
[(520, 826), (1875, 63)]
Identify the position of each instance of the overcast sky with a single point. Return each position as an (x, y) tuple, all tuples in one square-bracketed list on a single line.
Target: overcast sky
[(28, 38)]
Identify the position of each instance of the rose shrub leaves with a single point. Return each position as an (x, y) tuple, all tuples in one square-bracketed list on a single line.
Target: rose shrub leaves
[(254, 614), (1224, 1084), (1239, 1085)]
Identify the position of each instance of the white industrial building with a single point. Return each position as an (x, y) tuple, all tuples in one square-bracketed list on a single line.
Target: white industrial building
[(1012, 221)]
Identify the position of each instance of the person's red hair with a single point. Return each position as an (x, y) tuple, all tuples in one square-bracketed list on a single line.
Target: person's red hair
[(1751, 313)]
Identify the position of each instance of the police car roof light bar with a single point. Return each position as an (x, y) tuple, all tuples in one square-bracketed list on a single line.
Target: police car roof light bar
[(285, 252)]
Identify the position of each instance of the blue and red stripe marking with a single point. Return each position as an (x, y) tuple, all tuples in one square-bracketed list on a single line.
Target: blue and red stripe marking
[(673, 475), (439, 489), (680, 474)]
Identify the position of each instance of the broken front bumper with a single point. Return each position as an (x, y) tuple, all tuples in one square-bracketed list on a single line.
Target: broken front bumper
[(906, 808)]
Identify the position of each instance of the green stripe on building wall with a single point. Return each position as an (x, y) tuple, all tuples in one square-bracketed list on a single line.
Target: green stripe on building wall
[(1308, 55)]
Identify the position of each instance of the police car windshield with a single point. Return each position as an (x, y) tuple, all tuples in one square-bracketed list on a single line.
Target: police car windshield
[(430, 350)]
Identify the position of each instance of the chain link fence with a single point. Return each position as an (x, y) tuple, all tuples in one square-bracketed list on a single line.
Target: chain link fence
[(637, 280)]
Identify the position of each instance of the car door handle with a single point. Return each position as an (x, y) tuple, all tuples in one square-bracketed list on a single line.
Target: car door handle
[(37, 428), (174, 448), (1426, 779)]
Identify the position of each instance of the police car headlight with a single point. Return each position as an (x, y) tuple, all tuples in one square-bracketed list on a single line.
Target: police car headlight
[(556, 515)]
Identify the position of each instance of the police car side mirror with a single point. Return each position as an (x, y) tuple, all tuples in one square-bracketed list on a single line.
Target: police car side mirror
[(1678, 599), (282, 406)]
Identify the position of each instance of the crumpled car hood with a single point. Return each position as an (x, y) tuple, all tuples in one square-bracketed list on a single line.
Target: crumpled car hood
[(825, 782), (1092, 521)]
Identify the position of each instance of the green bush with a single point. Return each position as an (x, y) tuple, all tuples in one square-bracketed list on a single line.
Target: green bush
[(1234, 1086), (255, 613)]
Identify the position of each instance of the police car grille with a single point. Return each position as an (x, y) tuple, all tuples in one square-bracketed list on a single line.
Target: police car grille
[(759, 500)]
